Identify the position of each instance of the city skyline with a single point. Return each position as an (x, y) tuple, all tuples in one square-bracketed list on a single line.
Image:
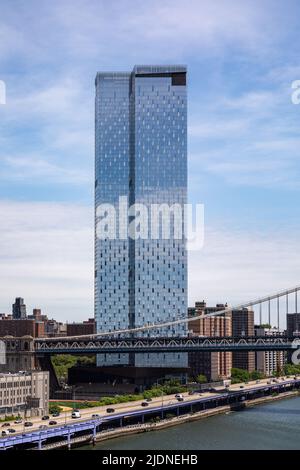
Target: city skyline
[(242, 130)]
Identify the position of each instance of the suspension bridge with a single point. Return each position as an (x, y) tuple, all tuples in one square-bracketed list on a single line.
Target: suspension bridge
[(146, 338)]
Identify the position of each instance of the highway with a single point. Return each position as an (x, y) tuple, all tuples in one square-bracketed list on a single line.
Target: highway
[(162, 402), (65, 417)]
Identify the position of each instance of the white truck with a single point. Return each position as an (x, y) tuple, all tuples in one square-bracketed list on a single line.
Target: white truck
[(226, 383)]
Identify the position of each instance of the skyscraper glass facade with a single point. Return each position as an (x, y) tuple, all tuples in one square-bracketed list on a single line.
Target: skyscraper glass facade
[(141, 153)]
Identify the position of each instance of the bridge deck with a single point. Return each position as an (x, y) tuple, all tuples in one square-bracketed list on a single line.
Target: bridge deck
[(163, 344), (93, 426)]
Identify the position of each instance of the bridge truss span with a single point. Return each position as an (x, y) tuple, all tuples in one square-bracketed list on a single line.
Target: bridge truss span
[(165, 345)]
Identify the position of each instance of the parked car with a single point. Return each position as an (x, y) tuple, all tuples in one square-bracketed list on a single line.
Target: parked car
[(95, 416), (45, 418), (75, 414), (144, 403), (27, 424), (110, 410), (52, 422)]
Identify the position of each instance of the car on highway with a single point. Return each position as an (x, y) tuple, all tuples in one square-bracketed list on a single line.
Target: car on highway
[(144, 403), (52, 422), (27, 424), (95, 416), (180, 399), (241, 386), (178, 395), (191, 392), (4, 433), (11, 430), (75, 414), (18, 421), (55, 414), (45, 418), (5, 425), (110, 410)]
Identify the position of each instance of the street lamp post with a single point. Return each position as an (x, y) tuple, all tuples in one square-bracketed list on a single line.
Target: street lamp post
[(162, 397)]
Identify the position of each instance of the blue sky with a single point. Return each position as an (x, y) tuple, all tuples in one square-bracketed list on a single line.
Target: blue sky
[(244, 140)]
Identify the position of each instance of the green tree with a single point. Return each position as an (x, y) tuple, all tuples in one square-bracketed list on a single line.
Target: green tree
[(201, 379), (256, 375), (54, 408), (291, 369), (239, 375), (63, 362)]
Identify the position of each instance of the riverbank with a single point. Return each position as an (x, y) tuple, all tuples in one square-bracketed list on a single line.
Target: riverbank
[(269, 426), (167, 423)]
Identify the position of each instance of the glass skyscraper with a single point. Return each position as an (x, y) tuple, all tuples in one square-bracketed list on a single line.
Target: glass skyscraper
[(141, 155)]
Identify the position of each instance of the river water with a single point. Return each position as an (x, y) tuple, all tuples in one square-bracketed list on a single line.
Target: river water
[(271, 426)]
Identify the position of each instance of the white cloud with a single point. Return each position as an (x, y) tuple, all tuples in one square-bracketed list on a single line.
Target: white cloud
[(10, 39), (58, 117), (248, 139), (60, 99), (217, 128), (35, 169), (202, 23), (80, 36), (237, 266), (254, 101), (100, 30), (290, 145), (46, 253), (30, 169)]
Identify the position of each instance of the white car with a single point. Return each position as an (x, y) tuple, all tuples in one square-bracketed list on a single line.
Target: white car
[(76, 414)]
